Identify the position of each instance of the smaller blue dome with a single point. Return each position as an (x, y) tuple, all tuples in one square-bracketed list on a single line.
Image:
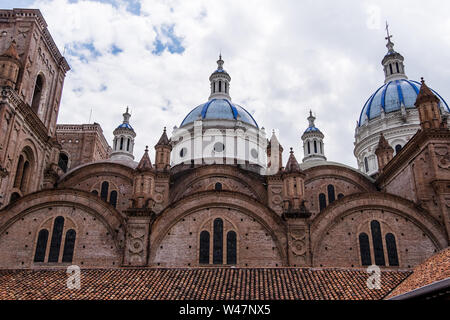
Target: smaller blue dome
[(312, 129), (219, 109), (125, 126)]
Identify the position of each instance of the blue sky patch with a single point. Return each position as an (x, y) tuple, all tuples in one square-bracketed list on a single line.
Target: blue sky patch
[(173, 44)]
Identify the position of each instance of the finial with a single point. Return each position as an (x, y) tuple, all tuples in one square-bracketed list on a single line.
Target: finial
[(127, 110), (310, 113), (146, 148), (292, 150), (164, 129), (422, 80), (390, 44), (388, 38)]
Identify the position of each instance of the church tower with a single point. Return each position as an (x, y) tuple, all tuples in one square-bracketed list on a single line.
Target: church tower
[(429, 112), (9, 66), (384, 152), (313, 147), (123, 142)]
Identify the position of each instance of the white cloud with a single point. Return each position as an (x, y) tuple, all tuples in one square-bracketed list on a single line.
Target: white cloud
[(284, 59)]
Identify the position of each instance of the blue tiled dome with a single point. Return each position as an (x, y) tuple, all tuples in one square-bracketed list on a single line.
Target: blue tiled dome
[(312, 129), (219, 109), (126, 126), (391, 96)]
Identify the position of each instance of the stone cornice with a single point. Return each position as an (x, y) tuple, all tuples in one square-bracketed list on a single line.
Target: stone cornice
[(410, 150), (30, 117)]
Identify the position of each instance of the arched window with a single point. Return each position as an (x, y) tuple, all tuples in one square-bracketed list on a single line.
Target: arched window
[(121, 143), (37, 93), (364, 247), (14, 197), (25, 176), (366, 164), (220, 86), (63, 162), (231, 247), (55, 244), (377, 242), (113, 198), (390, 69), (104, 190), (128, 144), (309, 148), (398, 69), (218, 186), (94, 192), (331, 195), (391, 247), (41, 246), (226, 88), (315, 146), (69, 245), (19, 171), (340, 196), (204, 247), (218, 241), (398, 148), (322, 201)]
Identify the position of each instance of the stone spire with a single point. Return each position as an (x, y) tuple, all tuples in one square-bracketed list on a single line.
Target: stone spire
[(220, 82), (392, 62), (384, 152), (123, 143), (313, 146), (9, 66), (292, 164), (277, 156), (428, 105), (163, 149), (145, 164)]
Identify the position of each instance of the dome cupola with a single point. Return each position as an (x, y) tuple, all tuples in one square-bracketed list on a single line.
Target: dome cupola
[(123, 143), (392, 62), (220, 82), (312, 138)]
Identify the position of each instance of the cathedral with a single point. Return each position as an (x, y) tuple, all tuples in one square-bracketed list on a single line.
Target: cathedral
[(218, 192)]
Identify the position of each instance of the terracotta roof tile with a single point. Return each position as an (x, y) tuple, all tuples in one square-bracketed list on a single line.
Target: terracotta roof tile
[(198, 284), (434, 269)]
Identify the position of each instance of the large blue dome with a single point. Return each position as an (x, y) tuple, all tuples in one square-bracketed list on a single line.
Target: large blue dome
[(391, 96), (219, 109)]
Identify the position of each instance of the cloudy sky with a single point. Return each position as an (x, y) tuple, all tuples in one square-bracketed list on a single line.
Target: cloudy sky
[(284, 57)]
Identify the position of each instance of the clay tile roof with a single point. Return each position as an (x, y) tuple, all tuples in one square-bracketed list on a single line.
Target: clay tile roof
[(145, 163), (11, 52), (198, 284), (292, 164), (383, 144), (435, 268), (164, 140), (425, 95)]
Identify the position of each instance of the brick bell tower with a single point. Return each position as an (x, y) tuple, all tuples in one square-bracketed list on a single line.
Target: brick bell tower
[(296, 214), (32, 72)]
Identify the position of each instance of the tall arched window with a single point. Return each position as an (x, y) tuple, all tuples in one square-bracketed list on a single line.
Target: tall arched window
[(231, 247), (204, 247), (128, 144), (69, 245), (331, 194), (322, 201), (55, 244), (309, 148), (38, 87), (63, 162), (377, 242), (41, 246), (104, 191), (19, 171), (391, 247), (398, 69), (315, 146), (218, 241), (366, 164), (364, 247), (121, 143), (25, 176), (220, 86), (113, 198)]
